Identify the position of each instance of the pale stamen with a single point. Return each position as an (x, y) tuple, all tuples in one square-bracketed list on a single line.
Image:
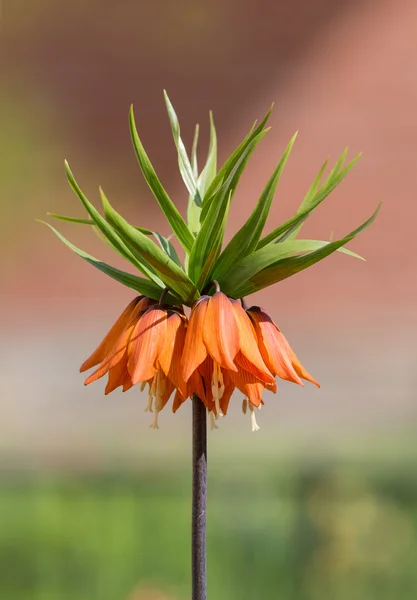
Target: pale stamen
[(217, 388), (150, 397), (255, 426), (212, 420), (159, 390)]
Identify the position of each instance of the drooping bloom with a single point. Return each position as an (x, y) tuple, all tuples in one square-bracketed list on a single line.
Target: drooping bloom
[(143, 346), (221, 345), (275, 350)]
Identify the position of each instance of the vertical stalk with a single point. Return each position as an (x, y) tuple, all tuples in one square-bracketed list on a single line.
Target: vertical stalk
[(199, 502)]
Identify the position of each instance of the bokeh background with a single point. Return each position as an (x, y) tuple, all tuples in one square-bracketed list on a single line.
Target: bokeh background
[(322, 502)]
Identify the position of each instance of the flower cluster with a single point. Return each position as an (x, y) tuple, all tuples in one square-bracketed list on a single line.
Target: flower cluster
[(222, 347)]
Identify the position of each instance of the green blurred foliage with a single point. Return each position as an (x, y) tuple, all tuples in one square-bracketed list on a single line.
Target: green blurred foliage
[(302, 534)]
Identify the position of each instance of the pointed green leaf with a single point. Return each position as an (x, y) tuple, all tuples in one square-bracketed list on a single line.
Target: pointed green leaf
[(245, 240), (292, 227), (209, 171), (287, 267), (252, 264), (193, 210), (91, 222), (227, 167), (184, 164), (143, 286), (109, 233), (237, 171), (334, 178), (168, 248), (169, 209), (212, 229), (171, 274), (194, 163)]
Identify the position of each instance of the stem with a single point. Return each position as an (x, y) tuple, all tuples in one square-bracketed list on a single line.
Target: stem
[(198, 524)]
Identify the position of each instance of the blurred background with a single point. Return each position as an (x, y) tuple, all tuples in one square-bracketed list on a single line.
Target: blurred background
[(322, 502)]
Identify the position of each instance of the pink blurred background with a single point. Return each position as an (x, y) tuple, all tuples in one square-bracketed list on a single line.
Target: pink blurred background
[(342, 73)]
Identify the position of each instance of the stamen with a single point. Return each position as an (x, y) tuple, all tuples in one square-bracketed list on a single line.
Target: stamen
[(150, 398), (255, 426), (217, 388), (143, 385), (154, 424), (212, 420), (244, 406), (160, 388)]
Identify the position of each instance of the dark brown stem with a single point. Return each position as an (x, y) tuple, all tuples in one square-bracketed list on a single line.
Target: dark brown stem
[(199, 502)]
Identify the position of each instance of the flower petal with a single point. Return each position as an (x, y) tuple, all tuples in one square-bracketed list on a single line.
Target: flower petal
[(220, 332), (105, 347), (146, 343), (194, 350), (118, 375), (170, 357), (229, 388), (116, 354), (249, 346), (178, 401), (196, 385), (249, 385), (274, 348), (300, 370)]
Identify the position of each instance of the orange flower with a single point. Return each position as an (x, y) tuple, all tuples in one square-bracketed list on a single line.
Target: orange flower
[(275, 350), (154, 354), (111, 354), (221, 343), (143, 346)]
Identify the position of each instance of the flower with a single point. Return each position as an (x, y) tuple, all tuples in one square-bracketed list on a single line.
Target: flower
[(221, 347), (143, 346), (275, 350)]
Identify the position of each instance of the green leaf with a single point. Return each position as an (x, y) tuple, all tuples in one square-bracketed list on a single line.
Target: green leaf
[(230, 163), (291, 228), (171, 274), (91, 222), (209, 171), (194, 163), (287, 267), (184, 164), (237, 170), (246, 239), (109, 233), (212, 229), (169, 209), (168, 248), (334, 178), (143, 286), (193, 210), (252, 264)]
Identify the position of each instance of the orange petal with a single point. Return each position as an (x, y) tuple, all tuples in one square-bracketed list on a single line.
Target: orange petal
[(170, 357), (249, 385), (169, 388), (178, 401), (118, 375), (274, 348), (116, 355), (196, 386), (220, 332), (111, 338), (146, 343), (206, 372), (300, 370), (194, 350), (229, 388)]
